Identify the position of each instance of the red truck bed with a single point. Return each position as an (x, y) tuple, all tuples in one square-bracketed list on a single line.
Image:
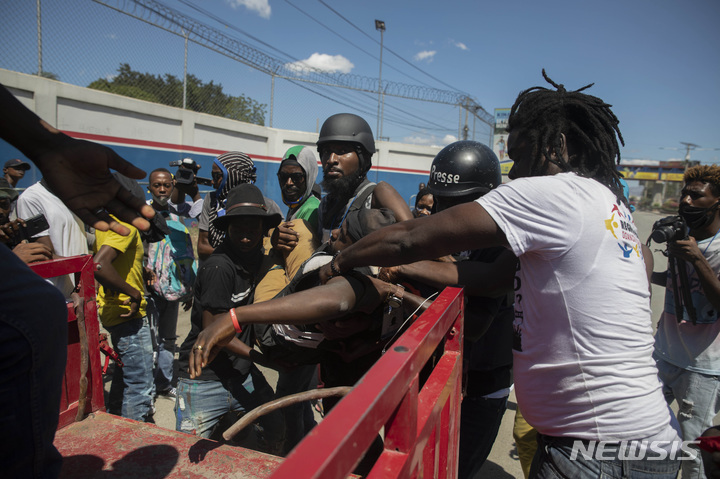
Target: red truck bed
[(420, 422), (127, 448)]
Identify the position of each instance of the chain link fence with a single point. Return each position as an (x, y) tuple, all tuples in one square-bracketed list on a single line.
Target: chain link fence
[(103, 46)]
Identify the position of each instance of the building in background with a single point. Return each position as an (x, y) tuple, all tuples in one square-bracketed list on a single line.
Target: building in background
[(499, 142)]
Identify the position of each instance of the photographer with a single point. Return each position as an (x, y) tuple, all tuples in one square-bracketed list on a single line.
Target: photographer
[(65, 235), (687, 349), (185, 182), (11, 232)]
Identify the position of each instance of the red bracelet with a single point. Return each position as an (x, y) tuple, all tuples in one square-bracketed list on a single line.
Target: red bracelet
[(236, 324)]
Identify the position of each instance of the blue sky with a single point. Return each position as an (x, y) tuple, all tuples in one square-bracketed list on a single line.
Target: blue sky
[(657, 62)]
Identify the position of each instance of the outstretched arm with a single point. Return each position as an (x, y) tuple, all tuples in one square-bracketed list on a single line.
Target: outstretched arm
[(463, 227), (331, 301), (77, 171), (478, 278)]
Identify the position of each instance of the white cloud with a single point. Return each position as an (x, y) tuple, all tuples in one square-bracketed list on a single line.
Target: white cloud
[(461, 45), (425, 55), (261, 7), (447, 139), (322, 62), (430, 140), (419, 140)]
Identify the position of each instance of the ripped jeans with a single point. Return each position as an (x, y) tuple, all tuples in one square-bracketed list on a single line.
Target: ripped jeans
[(201, 405), (698, 404)]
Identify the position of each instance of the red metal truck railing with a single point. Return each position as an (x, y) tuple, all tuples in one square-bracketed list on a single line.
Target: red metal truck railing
[(421, 426), (82, 385)]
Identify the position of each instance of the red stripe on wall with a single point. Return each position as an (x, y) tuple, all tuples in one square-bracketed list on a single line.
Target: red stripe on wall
[(197, 149)]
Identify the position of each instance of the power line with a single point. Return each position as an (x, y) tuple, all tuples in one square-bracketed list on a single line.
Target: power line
[(395, 54), (171, 20), (348, 41)]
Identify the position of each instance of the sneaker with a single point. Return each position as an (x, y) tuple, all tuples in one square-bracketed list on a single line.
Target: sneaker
[(170, 393)]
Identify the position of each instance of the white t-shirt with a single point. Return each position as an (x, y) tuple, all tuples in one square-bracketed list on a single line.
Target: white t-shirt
[(695, 347), (583, 362), (66, 230)]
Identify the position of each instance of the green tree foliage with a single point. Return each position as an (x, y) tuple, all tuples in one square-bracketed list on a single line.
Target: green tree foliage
[(50, 75), (168, 90)]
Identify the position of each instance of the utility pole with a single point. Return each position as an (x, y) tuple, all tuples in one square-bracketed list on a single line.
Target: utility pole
[(380, 25), (39, 36), (688, 148), (185, 72)]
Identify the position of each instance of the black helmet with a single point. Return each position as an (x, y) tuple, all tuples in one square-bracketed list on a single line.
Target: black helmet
[(464, 168), (347, 127)]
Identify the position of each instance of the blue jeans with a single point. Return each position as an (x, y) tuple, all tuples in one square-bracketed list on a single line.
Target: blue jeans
[(553, 461), (201, 404), (132, 385), (698, 404), (164, 316), (33, 353), (480, 420)]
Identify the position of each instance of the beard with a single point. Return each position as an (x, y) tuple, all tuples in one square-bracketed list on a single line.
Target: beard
[(344, 186)]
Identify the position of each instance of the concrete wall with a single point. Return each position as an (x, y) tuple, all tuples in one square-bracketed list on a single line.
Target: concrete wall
[(151, 135)]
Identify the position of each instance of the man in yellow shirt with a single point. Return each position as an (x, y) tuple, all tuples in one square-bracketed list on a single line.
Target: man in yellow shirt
[(122, 311)]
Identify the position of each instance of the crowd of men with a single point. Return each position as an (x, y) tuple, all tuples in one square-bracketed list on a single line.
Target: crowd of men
[(555, 276)]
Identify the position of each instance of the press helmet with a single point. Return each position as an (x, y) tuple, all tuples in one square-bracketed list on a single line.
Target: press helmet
[(350, 128), (464, 168)]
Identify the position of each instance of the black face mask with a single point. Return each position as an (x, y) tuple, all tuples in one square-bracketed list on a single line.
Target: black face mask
[(697, 218)]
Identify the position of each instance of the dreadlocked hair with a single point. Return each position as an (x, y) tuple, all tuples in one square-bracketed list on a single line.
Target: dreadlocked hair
[(590, 128), (709, 174)]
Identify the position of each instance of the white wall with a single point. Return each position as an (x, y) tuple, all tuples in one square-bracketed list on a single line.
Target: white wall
[(81, 110)]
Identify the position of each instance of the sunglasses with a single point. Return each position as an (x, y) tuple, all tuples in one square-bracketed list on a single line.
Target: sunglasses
[(296, 178), (217, 175)]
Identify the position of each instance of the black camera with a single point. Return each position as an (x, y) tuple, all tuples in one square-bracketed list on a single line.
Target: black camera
[(187, 167), (35, 225), (668, 229)]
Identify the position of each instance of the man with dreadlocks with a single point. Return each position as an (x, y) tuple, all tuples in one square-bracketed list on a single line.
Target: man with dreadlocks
[(583, 343)]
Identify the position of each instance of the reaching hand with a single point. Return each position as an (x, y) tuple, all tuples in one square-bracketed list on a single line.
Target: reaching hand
[(9, 231), (32, 252), (326, 273), (209, 342), (389, 274), (78, 172), (285, 238)]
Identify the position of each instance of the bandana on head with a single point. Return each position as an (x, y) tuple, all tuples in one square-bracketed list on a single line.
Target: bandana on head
[(237, 169)]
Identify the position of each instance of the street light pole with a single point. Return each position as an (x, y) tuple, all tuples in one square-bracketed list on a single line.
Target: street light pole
[(380, 25), (39, 42)]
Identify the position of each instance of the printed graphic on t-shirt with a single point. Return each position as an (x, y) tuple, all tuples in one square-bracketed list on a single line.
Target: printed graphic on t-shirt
[(622, 227), (518, 321)]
